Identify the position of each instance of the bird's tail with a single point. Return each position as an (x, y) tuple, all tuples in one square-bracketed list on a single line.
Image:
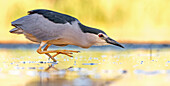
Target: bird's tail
[(16, 31)]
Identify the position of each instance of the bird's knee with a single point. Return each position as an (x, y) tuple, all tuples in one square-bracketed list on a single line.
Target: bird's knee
[(39, 51)]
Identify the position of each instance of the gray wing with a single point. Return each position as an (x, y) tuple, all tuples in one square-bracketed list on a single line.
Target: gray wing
[(41, 27)]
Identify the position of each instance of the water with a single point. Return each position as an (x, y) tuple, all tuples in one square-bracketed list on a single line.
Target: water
[(135, 65)]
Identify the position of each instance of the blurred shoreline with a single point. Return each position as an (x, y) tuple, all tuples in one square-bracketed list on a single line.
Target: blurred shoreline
[(98, 48), (120, 41), (127, 45)]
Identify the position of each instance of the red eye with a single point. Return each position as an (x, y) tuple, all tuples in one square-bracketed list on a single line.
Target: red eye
[(101, 35)]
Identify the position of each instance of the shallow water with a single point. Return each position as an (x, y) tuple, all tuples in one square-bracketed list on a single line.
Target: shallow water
[(146, 65)]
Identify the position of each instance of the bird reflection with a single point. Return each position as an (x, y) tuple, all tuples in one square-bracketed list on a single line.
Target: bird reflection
[(52, 66), (83, 80), (71, 77)]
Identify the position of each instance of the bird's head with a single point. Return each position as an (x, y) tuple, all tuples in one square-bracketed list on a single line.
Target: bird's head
[(105, 40), (99, 36)]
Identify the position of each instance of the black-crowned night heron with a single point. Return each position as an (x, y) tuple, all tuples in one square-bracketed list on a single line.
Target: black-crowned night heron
[(53, 28)]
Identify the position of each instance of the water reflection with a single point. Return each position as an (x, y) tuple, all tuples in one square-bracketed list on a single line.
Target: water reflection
[(52, 76)]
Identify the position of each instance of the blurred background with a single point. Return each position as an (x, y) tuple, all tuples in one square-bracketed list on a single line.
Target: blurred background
[(128, 21)]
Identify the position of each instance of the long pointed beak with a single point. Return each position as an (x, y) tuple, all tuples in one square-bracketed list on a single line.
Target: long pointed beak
[(16, 31), (113, 42)]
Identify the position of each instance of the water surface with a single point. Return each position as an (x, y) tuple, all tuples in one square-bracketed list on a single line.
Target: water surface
[(136, 65)]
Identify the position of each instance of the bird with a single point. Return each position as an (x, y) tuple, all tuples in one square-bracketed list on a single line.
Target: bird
[(48, 27)]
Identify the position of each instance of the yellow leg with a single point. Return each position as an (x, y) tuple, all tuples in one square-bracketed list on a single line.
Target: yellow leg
[(45, 49), (65, 52)]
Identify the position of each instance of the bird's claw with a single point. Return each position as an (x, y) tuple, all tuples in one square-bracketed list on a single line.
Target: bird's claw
[(65, 52)]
